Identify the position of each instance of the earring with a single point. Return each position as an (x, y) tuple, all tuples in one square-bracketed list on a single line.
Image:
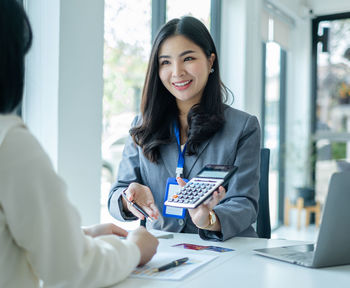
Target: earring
[(212, 70)]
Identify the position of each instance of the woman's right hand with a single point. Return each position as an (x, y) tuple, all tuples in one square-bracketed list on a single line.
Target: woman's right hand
[(141, 195), (146, 242)]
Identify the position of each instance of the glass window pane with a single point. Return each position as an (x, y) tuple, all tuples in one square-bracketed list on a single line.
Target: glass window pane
[(271, 125), (332, 103), (333, 72), (127, 45), (198, 8)]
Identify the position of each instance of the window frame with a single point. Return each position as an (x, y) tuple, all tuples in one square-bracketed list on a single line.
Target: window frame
[(159, 16)]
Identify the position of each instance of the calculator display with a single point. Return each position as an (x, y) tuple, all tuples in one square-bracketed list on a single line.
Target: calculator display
[(213, 174)]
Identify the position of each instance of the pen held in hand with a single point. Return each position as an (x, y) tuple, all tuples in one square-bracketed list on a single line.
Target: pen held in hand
[(172, 264), (137, 207)]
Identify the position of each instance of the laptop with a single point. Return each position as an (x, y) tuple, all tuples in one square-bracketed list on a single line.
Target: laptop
[(333, 242)]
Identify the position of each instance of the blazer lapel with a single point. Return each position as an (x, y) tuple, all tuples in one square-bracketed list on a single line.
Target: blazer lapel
[(169, 155), (190, 161)]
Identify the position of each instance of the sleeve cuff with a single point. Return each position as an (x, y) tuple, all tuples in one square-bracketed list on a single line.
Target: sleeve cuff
[(210, 235), (127, 215)]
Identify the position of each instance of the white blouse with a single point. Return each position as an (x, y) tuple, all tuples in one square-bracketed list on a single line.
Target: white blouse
[(40, 235)]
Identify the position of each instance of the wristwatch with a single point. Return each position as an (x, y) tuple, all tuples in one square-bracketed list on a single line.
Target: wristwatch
[(212, 220)]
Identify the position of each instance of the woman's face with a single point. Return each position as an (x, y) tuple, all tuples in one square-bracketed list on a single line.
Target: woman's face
[(184, 69)]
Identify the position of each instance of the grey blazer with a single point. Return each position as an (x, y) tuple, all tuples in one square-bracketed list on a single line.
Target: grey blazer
[(237, 143)]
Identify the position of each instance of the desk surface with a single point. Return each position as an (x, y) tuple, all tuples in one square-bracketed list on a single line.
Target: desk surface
[(243, 268)]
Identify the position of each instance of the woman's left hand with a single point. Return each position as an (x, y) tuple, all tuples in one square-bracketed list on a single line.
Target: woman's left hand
[(200, 215)]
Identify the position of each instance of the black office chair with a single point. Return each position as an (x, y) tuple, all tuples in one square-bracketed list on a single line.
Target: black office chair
[(263, 226)]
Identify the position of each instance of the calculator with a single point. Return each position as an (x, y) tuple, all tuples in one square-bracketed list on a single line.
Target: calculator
[(200, 188)]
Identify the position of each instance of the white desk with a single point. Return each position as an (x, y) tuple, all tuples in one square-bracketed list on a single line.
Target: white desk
[(243, 268)]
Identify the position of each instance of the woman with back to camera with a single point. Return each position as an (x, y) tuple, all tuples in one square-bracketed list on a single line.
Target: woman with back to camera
[(40, 235), (183, 112)]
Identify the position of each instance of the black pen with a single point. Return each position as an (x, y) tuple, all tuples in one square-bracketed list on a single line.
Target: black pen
[(171, 265), (137, 207)]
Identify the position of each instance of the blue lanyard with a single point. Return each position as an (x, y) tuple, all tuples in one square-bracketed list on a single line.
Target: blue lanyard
[(181, 159)]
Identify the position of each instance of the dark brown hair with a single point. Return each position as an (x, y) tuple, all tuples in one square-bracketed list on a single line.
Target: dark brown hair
[(15, 41), (158, 106)]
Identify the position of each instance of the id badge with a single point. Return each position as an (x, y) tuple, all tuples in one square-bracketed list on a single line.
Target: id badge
[(171, 189)]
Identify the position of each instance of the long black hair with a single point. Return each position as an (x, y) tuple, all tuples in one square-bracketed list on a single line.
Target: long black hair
[(158, 105), (15, 41)]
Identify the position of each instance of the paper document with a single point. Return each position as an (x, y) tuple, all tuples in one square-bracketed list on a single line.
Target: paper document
[(177, 273)]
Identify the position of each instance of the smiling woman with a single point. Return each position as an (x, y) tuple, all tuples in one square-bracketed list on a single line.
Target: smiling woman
[(209, 91), (127, 47), (184, 71), (184, 125)]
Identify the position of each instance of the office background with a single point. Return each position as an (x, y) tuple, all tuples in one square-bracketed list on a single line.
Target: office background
[(63, 105)]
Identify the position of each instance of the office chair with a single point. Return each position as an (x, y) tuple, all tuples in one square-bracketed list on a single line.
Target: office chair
[(263, 227)]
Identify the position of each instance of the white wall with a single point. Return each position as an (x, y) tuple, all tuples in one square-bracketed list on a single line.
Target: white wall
[(326, 7), (42, 65), (64, 93), (253, 58), (241, 53), (294, 8), (241, 68), (298, 116), (241, 60), (232, 51)]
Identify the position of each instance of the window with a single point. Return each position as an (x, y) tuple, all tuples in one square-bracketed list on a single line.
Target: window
[(273, 124), (331, 88), (127, 44), (276, 28)]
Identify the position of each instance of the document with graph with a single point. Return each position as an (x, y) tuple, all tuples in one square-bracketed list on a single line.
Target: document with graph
[(195, 261)]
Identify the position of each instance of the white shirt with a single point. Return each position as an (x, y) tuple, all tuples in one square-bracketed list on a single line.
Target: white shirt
[(40, 234)]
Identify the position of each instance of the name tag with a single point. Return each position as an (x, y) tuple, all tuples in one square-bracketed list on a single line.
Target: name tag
[(170, 190)]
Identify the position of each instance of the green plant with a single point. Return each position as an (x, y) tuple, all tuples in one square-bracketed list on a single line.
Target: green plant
[(338, 150)]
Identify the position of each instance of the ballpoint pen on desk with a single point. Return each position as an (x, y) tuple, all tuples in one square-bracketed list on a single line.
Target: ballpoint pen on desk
[(137, 207), (172, 264)]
